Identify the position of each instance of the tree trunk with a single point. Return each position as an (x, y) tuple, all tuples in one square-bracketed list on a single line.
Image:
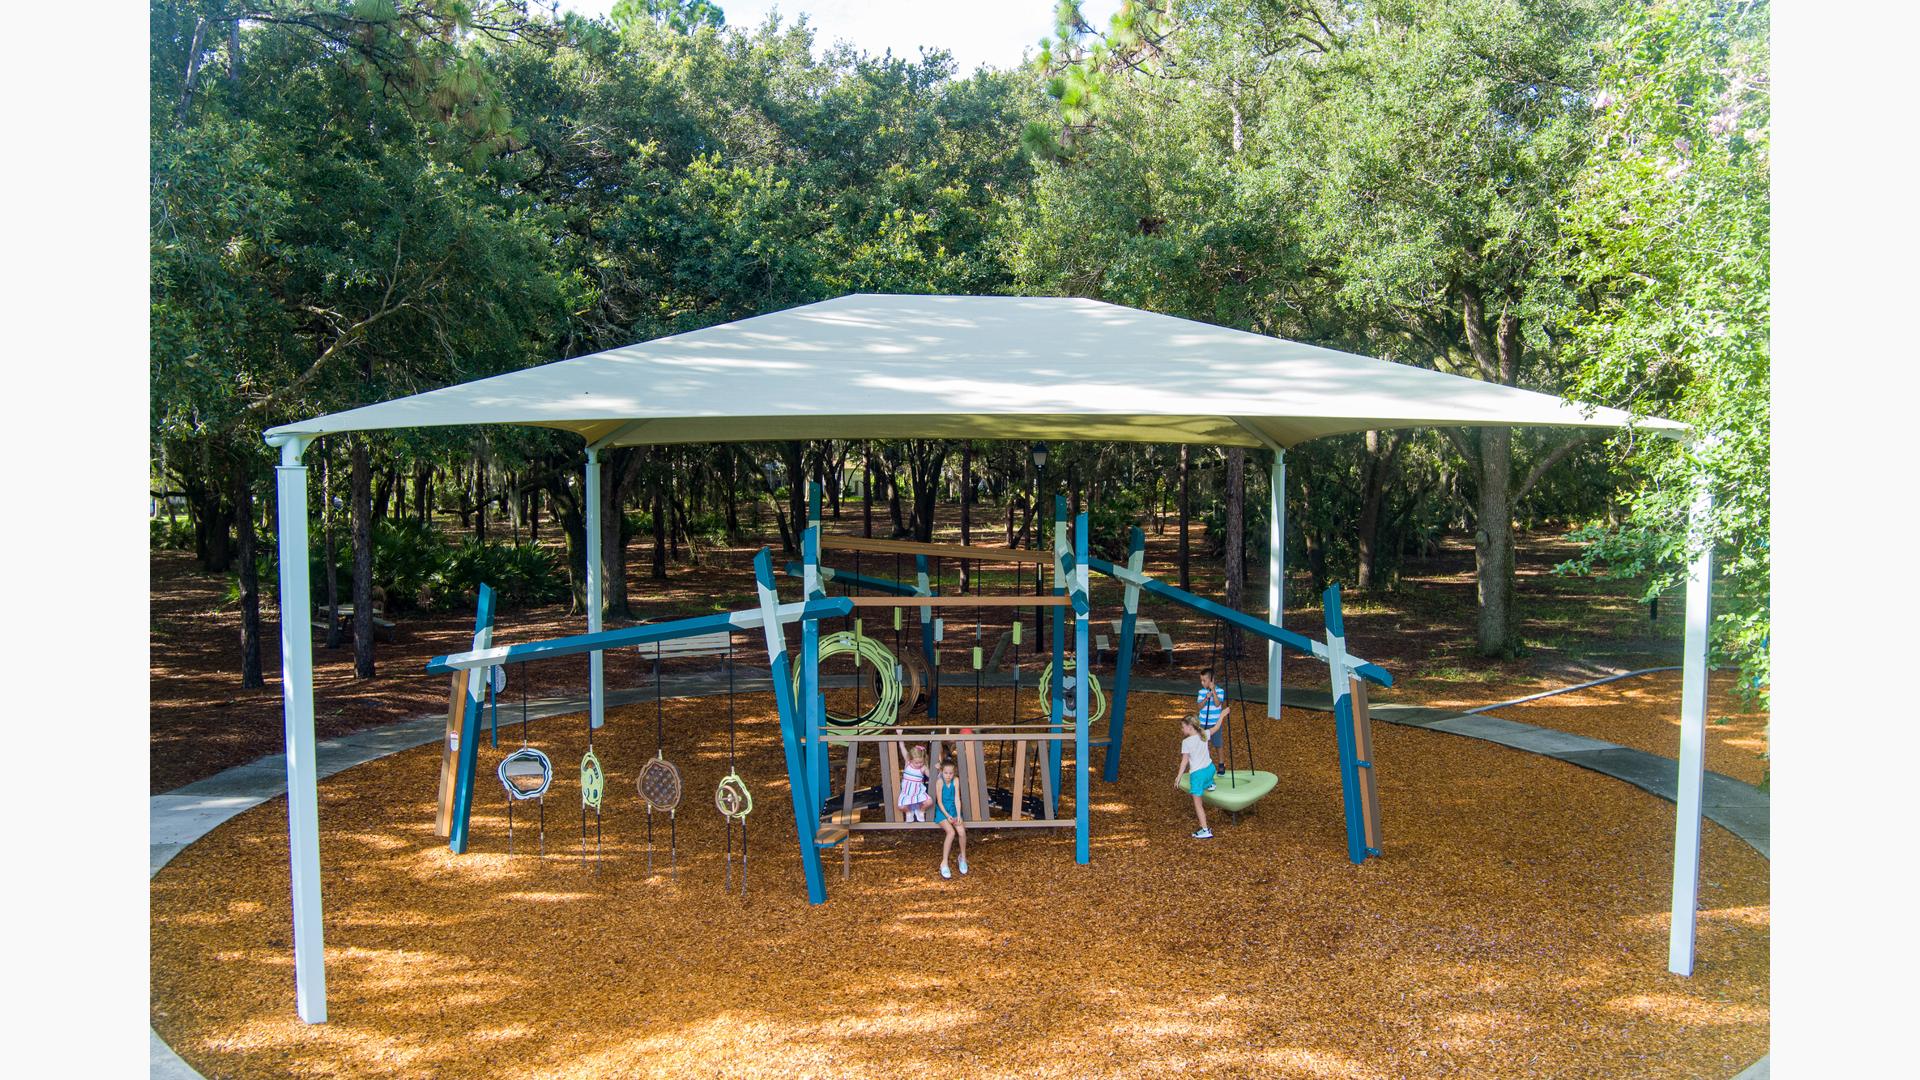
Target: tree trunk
[(731, 490), (617, 471), (1236, 540), (570, 513), (1375, 467), (966, 514), (835, 460), (361, 481), (384, 493), (659, 531), (795, 453), (422, 491), (677, 537), (1493, 543), (866, 494), (1492, 464), (250, 677), (193, 68), (924, 462), (333, 561), (1186, 515), (480, 501)]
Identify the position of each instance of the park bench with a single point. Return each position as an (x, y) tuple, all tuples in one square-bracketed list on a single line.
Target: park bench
[(382, 626), (714, 644), (1146, 634)]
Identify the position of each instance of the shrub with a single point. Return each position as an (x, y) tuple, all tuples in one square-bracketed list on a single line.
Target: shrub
[(518, 573), (409, 560), (1109, 523), (164, 534)]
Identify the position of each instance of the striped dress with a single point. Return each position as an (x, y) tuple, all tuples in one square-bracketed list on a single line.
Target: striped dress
[(913, 788)]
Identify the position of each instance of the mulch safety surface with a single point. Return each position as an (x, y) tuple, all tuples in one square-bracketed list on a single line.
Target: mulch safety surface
[(1516, 926)]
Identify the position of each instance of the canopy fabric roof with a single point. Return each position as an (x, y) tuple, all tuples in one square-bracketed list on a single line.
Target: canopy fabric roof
[(988, 367)]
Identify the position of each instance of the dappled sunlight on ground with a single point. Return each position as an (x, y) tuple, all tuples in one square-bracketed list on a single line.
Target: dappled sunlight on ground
[(1515, 926)]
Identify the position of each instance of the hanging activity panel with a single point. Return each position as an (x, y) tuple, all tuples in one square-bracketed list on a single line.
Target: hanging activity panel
[(886, 671), (526, 774), (660, 785), (1097, 696)]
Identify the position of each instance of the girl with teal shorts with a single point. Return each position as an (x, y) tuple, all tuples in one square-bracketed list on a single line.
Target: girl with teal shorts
[(1196, 764), (946, 811)]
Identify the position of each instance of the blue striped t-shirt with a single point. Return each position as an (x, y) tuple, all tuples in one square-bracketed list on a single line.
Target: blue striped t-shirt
[(1211, 703)]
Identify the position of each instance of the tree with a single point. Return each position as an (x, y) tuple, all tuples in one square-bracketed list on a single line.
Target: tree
[(1667, 238)]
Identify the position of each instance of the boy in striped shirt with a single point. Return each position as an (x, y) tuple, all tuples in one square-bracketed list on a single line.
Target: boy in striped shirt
[(1212, 710)]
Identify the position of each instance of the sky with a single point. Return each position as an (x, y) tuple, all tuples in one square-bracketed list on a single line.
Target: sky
[(992, 32)]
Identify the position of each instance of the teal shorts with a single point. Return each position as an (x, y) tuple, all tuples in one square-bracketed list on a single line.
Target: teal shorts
[(1198, 781)]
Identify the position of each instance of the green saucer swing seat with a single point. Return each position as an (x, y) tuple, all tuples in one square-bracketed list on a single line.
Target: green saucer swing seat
[(1233, 791)]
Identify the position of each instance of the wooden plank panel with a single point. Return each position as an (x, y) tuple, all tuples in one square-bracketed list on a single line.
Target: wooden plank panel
[(1046, 780), (973, 766), (450, 753), (889, 777), (985, 823), (1369, 780), (846, 808), (1021, 749)]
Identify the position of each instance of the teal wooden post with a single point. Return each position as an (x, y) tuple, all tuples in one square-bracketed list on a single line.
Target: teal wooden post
[(1057, 705), (1123, 664), (926, 643), (1081, 764), (1337, 670), (812, 694), (806, 810), (477, 679)]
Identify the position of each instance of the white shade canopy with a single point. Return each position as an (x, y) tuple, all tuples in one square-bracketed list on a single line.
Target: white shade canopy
[(988, 367)]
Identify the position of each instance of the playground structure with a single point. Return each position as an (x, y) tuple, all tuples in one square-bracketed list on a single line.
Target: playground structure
[(942, 367), (1039, 748)]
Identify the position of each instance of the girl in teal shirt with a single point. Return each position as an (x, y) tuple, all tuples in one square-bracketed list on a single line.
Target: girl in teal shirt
[(946, 811)]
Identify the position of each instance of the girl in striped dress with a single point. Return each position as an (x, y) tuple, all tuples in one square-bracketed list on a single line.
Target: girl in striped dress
[(913, 784)]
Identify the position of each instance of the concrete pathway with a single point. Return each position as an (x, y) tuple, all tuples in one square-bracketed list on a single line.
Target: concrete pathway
[(185, 814)]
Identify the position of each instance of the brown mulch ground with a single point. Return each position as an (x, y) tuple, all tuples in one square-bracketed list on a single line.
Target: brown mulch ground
[(1515, 927)]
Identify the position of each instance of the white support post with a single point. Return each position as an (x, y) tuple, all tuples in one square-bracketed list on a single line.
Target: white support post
[(296, 690), (1693, 737), (596, 593), (1276, 572)]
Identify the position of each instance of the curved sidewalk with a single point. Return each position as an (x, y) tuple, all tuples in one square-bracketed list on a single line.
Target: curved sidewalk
[(179, 817)]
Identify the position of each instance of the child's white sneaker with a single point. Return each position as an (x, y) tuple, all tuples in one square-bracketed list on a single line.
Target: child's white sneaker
[(1211, 786), (963, 866), (1203, 834), (944, 872)]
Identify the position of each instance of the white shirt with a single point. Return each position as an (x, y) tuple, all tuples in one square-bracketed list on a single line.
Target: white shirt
[(1195, 749)]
